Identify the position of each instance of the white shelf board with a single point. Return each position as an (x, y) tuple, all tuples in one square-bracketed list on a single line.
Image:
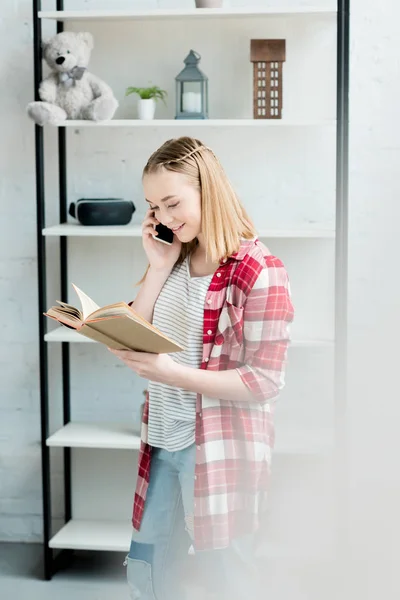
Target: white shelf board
[(114, 536), (63, 334), (192, 13), (117, 436), (76, 229), (258, 123)]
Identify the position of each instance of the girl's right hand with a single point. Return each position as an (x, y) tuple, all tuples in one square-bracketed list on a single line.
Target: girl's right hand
[(162, 257)]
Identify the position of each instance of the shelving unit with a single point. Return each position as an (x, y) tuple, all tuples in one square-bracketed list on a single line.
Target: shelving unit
[(80, 439), (114, 535)]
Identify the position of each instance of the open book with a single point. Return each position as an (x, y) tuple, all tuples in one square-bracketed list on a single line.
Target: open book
[(117, 326)]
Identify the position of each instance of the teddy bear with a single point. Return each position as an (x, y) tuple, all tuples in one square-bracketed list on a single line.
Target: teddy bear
[(71, 91)]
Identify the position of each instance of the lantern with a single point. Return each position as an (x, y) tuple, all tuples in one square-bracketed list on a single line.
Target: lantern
[(268, 57), (191, 90)]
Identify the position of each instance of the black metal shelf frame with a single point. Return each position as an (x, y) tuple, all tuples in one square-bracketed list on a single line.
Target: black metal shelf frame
[(42, 288), (341, 254)]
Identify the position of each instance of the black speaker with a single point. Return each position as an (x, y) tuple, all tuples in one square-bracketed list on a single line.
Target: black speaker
[(102, 211)]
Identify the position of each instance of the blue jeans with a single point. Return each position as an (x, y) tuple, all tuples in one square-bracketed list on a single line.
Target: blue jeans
[(159, 560)]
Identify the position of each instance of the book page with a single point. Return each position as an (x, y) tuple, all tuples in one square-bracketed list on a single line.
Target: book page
[(68, 309), (111, 310), (63, 317), (88, 306)]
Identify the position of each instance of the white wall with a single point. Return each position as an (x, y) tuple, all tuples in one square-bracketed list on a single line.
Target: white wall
[(298, 183), (374, 300)]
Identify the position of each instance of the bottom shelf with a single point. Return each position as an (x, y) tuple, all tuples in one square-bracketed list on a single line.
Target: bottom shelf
[(77, 534), (114, 536)]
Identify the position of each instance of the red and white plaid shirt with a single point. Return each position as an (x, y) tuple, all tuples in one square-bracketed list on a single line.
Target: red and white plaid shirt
[(248, 310)]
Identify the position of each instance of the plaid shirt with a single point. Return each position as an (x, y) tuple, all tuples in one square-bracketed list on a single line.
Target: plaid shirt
[(246, 322)]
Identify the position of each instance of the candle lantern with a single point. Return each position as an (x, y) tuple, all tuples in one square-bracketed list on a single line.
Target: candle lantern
[(191, 90), (268, 57)]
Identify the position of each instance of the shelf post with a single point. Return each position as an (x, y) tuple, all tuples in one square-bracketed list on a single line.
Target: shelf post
[(41, 270), (65, 353), (341, 271)]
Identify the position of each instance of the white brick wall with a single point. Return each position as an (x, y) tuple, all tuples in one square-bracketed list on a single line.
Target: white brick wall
[(373, 280), (20, 496)]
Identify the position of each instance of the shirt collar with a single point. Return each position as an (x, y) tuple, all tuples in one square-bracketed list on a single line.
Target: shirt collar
[(243, 250)]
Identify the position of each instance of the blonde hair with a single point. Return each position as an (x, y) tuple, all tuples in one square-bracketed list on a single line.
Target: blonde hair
[(224, 220)]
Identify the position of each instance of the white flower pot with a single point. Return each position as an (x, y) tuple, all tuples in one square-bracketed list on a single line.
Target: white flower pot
[(146, 109), (209, 3)]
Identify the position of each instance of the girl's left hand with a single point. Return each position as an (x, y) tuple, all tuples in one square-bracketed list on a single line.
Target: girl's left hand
[(155, 367)]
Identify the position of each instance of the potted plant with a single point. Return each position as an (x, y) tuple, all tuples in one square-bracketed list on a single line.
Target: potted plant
[(148, 97)]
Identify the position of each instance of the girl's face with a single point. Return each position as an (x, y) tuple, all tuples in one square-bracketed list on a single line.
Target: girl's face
[(176, 203)]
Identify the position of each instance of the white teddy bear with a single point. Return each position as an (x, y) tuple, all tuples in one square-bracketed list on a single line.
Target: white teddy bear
[(70, 91)]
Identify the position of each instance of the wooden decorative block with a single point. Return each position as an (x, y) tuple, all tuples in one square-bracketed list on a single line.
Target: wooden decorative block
[(267, 57)]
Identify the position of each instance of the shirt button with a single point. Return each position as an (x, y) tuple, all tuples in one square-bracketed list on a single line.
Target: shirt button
[(209, 301), (218, 274), (195, 476), (209, 332), (224, 260), (198, 447), (206, 359)]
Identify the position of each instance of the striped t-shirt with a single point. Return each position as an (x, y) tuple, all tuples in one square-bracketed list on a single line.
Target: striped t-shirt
[(178, 312)]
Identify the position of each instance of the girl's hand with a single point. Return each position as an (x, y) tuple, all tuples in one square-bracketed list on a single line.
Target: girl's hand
[(155, 367), (162, 257)]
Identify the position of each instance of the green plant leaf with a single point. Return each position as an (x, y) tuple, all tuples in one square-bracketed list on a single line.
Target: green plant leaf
[(148, 92)]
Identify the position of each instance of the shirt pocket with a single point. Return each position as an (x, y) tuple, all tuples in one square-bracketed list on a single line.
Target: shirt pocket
[(230, 326)]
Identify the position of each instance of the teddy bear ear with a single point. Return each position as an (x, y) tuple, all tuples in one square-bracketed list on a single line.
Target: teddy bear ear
[(87, 37)]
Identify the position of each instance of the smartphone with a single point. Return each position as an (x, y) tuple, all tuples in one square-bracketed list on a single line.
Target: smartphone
[(165, 235)]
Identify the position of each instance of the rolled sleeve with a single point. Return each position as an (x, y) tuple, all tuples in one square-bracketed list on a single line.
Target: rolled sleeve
[(268, 312)]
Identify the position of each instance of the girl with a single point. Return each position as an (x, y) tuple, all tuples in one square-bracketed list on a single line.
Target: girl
[(207, 429)]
